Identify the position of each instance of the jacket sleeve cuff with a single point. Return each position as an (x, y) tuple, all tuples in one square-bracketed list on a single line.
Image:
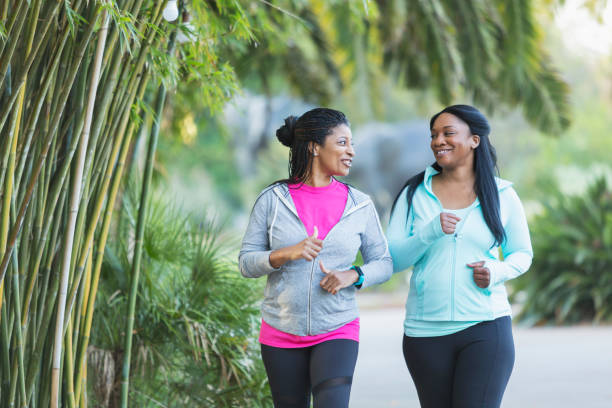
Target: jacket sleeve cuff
[(512, 266), (256, 264), (496, 268), (377, 272), (264, 263), (432, 231)]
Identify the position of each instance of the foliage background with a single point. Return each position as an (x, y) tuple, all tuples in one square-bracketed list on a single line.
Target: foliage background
[(246, 65), (540, 161)]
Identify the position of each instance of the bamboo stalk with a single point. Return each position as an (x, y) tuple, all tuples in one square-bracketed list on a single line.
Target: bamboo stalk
[(14, 31), (39, 240), (4, 12), (18, 376), (47, 305), (44, 394), (122, 97), (53, 120), (14, 16), (82, 211), (18, 368), (6, 363), (47, 142), (86, 293), (82, 402), (3, 170), (57, 60), (50, 203), (35, 115), (74, 205), (112, 80), (132, 89), (138, 240), (103, 237), (6, 204), (28, 63), (80, 310), (69, 366)]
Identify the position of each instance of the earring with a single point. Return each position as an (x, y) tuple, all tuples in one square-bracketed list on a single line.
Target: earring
[(315, 154)]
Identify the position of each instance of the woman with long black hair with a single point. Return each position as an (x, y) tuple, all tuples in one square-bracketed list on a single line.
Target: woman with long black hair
[(303, 235), (450, 222)]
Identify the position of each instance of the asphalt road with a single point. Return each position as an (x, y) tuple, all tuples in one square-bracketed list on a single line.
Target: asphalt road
[(560, 367)]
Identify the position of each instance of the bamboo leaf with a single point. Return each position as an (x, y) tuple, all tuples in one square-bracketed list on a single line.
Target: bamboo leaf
[(75, 20)]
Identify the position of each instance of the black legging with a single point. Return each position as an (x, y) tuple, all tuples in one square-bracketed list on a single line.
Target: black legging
[(467, 369), (325, 370)]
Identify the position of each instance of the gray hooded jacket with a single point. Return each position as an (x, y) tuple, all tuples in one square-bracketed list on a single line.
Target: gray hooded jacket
[(293, 300)]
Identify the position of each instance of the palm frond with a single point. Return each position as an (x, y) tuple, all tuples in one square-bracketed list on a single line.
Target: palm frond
[(197, 315), (546, 104)]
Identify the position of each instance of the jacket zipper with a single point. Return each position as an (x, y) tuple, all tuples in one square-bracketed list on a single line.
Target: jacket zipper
[(315, 260), (453, 276), (294, 211), (456, 237), (310, 296), (346, 214)]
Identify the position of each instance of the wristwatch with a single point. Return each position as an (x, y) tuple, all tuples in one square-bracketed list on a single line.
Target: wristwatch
[(359, 281)]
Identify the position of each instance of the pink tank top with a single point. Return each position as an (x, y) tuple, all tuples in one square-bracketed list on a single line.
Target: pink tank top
[(321, 207)]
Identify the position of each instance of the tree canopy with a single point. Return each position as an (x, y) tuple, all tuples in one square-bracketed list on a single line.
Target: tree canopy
[(489, 52)]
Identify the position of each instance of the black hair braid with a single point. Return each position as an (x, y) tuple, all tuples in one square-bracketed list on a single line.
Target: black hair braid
[(297, 133)]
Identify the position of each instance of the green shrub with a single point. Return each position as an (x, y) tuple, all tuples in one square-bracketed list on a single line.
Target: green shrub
[(195, 331), (570, 280)]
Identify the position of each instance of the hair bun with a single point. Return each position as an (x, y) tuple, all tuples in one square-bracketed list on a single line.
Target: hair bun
[(286, 133)]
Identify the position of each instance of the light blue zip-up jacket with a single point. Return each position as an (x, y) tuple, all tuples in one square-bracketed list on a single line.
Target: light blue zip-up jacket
[(442, 287), (294, 302)]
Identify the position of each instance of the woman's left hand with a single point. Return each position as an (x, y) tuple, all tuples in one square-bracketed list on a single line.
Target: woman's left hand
[(336, 280), (482, 275)]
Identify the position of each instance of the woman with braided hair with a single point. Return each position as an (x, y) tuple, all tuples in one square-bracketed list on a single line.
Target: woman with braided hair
[(303, 234)]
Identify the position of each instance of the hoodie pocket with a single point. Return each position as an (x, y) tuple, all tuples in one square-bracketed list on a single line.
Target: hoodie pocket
[(434, 274), (347, 295), (275, 284), (471, 301)]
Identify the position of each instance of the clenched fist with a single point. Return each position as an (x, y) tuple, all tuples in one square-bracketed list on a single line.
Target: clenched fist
[(308, 249), (449, 222), (482, 275), (336, 280)]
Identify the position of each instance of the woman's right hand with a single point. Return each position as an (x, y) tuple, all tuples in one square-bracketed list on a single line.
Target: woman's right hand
[(308, 249), (449, 222)]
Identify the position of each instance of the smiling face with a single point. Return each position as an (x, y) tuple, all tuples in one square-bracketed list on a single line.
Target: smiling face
[(335, 156), (452, 142)]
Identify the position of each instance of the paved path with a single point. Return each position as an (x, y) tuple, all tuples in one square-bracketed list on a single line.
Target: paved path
[(555, 367)]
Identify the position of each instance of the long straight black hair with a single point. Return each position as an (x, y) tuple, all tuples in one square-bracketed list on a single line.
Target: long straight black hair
[(485, 168)]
